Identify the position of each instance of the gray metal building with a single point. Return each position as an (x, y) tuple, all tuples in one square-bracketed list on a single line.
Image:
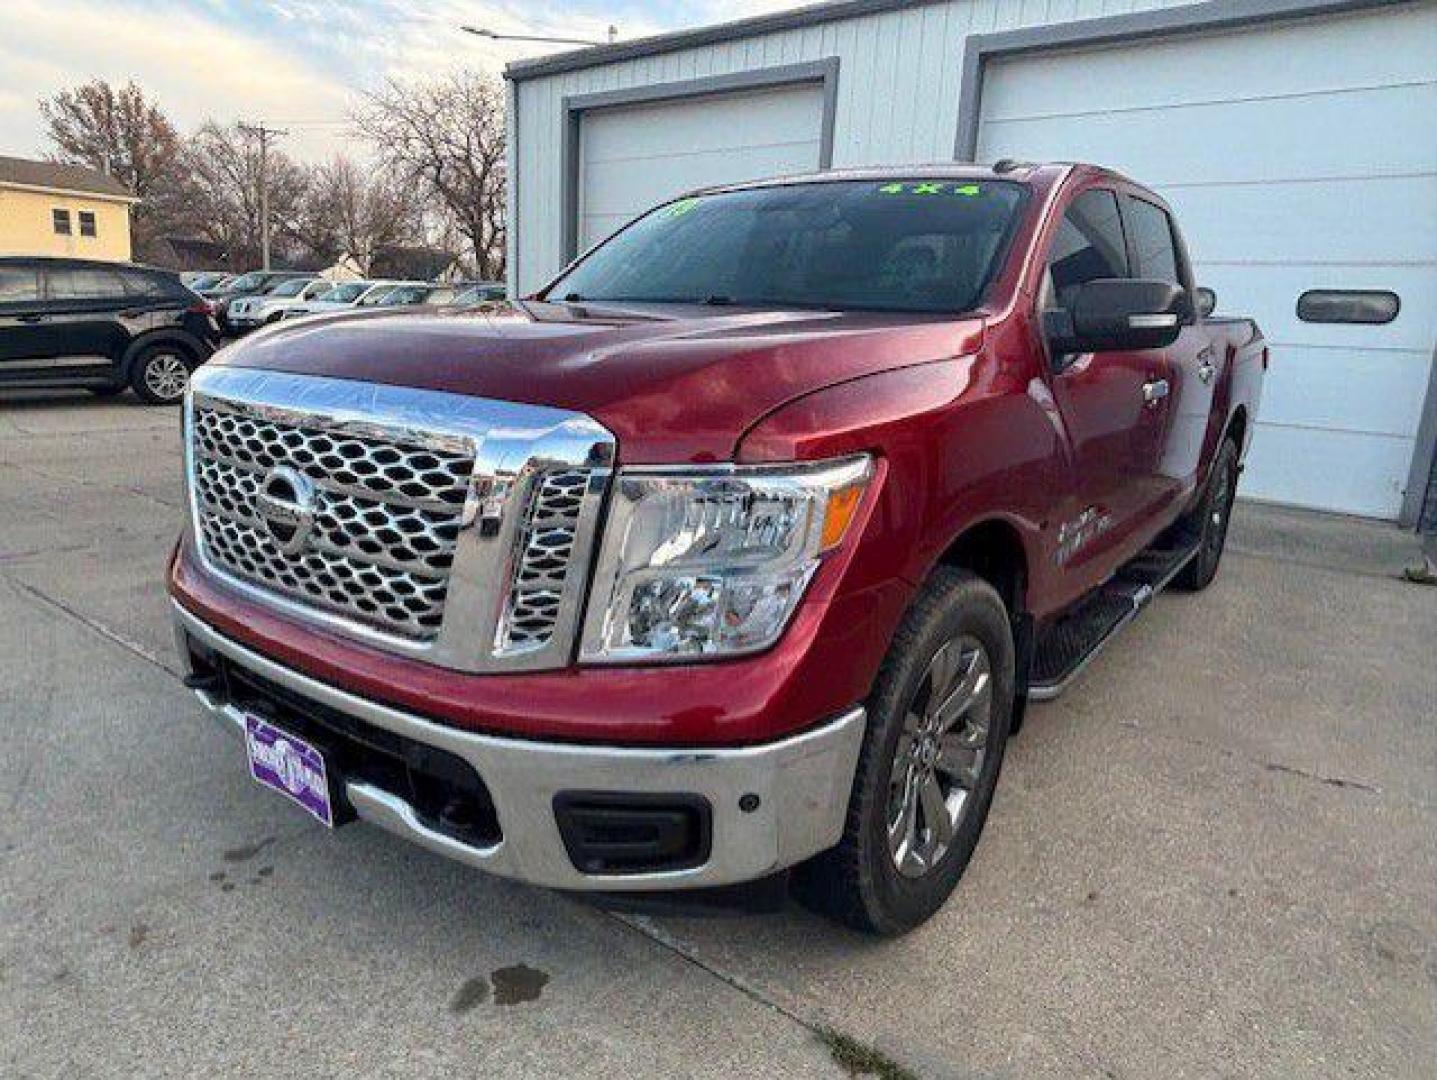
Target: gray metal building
[(1297, 140)]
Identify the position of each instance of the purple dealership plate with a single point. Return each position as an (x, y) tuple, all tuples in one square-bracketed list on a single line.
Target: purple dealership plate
[(290, 766)]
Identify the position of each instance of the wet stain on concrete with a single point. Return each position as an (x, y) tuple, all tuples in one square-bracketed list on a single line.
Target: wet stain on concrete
[(218, 875), (228, 886), (138, 935), (474, 992), (246, 852), (1397, 942), (518, 984)]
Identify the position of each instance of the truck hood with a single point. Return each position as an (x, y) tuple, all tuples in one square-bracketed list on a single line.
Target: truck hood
[(673, 384)]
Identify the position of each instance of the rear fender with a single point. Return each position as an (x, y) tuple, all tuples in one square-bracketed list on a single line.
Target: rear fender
[(196, 349)]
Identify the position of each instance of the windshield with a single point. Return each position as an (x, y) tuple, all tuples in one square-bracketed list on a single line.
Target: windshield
[(290, 288), (375, 295), (246, 281), (346, 293), (911, 245), (407, 294)]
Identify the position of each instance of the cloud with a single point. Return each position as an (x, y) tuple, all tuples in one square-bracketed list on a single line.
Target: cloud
[(288, 60)]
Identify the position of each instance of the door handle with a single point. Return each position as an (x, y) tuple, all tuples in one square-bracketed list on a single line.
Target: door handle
[(1154, 392), (1206, 370), (30, 318)]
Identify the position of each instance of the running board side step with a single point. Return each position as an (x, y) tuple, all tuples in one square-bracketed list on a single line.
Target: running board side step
[(1067, 646)]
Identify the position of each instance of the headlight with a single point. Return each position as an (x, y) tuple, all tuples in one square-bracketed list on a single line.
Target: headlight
[(713, 562)]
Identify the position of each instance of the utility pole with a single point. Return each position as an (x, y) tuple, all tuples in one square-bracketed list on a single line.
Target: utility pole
[(264, 134)]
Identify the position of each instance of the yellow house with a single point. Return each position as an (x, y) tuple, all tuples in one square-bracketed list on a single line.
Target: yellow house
[(49, 209)]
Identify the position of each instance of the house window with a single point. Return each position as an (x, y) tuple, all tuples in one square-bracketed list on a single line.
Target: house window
[(61, 219), (87, 223)]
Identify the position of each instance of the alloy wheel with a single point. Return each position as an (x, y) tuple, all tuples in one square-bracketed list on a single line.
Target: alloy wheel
[(939, 756), (166, 376)]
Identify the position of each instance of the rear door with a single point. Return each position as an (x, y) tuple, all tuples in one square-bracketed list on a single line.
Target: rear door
[(21, 313), (1187, 370), (87, 310)]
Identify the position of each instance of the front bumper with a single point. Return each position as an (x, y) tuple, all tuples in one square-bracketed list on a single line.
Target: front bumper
[(771, 806)]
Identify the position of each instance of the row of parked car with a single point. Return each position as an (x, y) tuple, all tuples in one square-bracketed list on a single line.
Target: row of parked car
[(248, 301), (107, 327)]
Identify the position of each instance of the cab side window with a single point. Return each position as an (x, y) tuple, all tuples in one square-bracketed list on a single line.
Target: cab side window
[(1088, 245), (19, 285), (1154, 248), (84, 284)]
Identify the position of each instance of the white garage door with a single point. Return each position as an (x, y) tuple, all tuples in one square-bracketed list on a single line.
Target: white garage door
[(1298, 156), (635, 156)]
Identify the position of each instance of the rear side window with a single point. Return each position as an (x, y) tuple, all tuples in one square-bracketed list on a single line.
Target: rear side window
[(1348, 306), (1088, 246), (152, 285), (19, 284), (84, 284), (1153, 244)]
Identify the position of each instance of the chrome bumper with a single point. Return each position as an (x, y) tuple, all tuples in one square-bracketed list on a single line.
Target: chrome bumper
[(801, 783)]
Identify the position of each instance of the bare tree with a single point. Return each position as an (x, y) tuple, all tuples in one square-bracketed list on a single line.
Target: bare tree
[(448, 136), (126, 136), (350, 212), (224, 164)]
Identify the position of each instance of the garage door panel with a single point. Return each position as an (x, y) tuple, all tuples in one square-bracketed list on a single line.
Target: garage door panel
[(633, 157), (1397, 48), (1388, 221), (1356, 390), (1281, 139), (1270, 294), (705, 123), (619, 187), (1328, 470)]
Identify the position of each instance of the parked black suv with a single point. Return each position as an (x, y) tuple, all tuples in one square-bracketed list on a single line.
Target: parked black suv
[(102, 326)]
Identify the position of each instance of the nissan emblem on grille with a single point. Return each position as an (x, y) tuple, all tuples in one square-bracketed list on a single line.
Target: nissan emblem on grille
[(346, 504), (285, 504)]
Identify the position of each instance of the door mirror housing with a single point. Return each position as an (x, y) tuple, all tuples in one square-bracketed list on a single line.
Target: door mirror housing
[(1206, 301), (1117, 314)]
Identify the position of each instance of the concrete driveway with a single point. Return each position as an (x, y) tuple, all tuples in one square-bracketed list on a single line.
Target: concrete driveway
[(1216, 856)]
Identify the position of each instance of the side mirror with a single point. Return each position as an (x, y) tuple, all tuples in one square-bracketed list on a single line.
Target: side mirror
[(1116, 314), (1206, 301)]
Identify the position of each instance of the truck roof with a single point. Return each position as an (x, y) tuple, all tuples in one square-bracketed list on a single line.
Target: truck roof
[(1042, 173)]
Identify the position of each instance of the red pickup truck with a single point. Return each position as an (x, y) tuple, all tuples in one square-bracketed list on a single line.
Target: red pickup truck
[(737, 550)]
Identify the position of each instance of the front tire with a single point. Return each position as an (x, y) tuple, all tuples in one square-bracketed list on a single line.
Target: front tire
[(938, 723), (1209, 521), (160, 374)]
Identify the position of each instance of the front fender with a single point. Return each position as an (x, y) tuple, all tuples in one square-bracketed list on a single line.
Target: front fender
[(966, 441)]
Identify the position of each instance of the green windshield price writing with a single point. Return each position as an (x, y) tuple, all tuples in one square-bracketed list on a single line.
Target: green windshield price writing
[(680, 208)]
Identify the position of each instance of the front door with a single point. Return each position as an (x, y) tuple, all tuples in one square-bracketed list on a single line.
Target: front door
[(22, 314), (1112, 405)]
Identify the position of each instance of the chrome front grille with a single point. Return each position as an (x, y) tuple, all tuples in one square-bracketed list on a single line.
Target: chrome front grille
[(545, 559), (385, 470), (385, 518), (451, 528)]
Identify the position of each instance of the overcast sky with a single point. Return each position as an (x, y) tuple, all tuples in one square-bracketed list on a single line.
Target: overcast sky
[(297, 62)]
